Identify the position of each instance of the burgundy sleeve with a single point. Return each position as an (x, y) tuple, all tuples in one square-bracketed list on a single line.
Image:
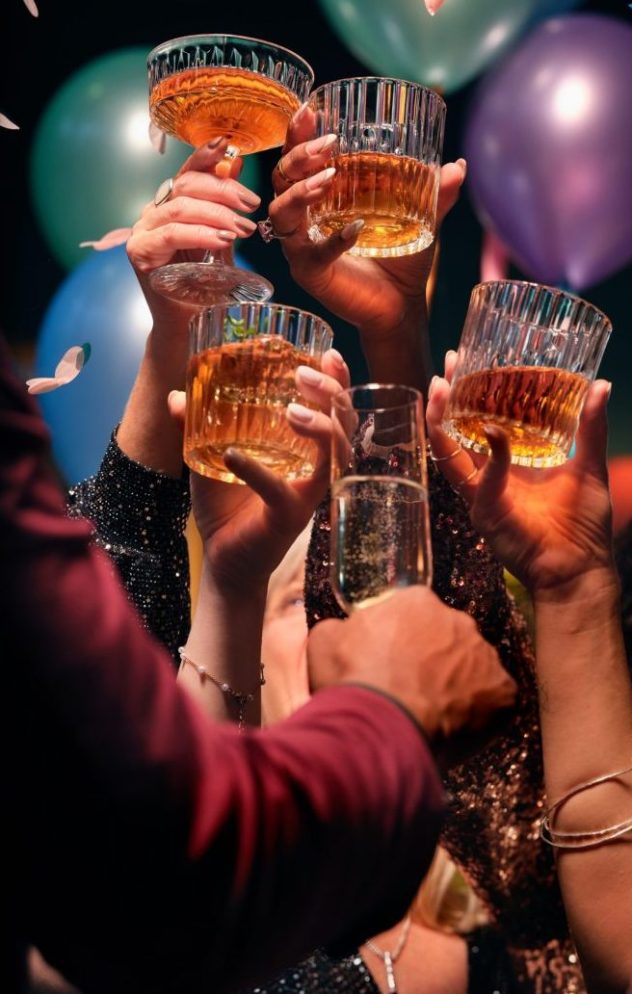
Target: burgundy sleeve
[(152, 849)]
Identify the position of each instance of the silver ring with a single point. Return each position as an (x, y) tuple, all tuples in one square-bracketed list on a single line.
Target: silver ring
[(267, 232), (450, 455), (163, 192), (468, 479)]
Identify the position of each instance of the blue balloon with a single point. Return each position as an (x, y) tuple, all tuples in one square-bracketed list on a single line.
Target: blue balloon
[(100, 303)]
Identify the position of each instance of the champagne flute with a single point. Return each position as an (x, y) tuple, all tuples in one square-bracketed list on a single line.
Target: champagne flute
[(380, 522), (244, 90)]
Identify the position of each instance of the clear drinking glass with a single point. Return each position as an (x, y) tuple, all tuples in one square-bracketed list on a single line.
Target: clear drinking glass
[(388, 159), (526, 358), (240, 379), (245, 90), (380, 523)]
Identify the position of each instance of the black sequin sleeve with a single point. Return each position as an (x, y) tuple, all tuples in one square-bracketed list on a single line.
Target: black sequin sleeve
[(139, 516)]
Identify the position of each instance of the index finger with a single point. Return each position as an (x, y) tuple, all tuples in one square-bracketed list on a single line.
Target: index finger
[(302, 127), (209, 156)]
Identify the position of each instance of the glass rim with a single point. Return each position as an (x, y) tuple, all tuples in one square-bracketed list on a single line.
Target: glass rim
[(269, 305), (386, 79), (416, 396), (568, 294), (181, 40)]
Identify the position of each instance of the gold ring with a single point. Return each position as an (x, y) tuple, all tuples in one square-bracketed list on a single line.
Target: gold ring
[(282, 173), (450, 455), (468, 478)]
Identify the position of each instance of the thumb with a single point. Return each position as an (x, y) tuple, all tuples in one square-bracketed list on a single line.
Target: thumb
[(176, 402)]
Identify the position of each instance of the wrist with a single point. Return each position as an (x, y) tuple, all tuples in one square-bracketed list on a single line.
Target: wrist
[(598, 586), (248, 591)]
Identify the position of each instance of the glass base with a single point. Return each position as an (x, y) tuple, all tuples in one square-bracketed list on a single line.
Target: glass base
[(529, 449), (203, 284)]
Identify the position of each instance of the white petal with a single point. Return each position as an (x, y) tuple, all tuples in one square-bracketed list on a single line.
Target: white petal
[(5, 122), (68, 367), (42, 384), (110, 240)]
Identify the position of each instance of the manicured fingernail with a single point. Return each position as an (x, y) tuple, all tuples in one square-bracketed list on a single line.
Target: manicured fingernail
[(249, 199), (493, 433), (432, 384), (309, 375), (300, 113), (215, 143), (172, 394), (352, 230), (321, 144), (299, 413), (337, 358), (319, 179), (228, 236), (609, 391), (246, 225), (234, 456), (463, 165)]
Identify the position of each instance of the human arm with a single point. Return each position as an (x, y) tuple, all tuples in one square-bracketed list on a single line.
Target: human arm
[(167, 839), (552, 530), (384, 298)]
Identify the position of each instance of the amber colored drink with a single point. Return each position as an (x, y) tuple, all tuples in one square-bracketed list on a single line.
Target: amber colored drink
[(197, 105), (395, 195), (237, 394), (537, 405)]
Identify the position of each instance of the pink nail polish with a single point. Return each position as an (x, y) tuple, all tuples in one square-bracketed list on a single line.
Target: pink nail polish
[(300, 413), (319, 179)]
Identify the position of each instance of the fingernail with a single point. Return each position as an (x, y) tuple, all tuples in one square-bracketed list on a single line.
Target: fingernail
[(249, 199), (309, 375), (432, 383), (321, 144), (214, 144), (172, 394), (234, 456), (300, 413), (318, 179), (228, 236), (247, 225), (492, 432), (450, 352), (352, 229), (463, 164), (338, 359), (609, 390), (301, 112)]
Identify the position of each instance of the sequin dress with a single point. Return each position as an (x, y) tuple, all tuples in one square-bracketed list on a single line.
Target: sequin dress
[(496, 799)]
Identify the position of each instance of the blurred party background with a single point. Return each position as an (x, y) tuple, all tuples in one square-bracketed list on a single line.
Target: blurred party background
[(538, 95)]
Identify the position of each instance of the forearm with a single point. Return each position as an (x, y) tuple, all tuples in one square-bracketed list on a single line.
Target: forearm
[(400, 354), (148, 433), (586, 719), (225, 639)]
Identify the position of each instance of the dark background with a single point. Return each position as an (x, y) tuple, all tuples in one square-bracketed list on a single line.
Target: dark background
[(39, 55)]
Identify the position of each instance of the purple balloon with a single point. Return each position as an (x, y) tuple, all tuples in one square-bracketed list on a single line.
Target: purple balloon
[(549, 149)]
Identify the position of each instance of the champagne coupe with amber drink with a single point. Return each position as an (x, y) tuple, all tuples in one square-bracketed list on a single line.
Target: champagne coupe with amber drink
[(387, 160), (526, 358), (380, 522), (240, 379), (204, 87)]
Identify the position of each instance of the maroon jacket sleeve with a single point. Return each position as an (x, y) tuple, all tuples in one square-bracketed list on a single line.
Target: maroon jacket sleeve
[(152, 849)]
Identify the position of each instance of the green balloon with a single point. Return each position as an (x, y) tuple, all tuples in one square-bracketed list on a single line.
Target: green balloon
[(93, 167), (399, 37)]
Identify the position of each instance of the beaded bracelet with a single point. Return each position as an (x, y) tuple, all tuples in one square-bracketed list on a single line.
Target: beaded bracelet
[(590, 837), (241, 699)]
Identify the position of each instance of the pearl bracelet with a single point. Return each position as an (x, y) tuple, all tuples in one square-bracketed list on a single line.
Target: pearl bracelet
[(241, 699)]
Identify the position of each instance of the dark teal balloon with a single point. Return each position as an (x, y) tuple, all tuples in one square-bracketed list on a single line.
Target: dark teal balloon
[(399, 38), (99, 303), (93, 167)]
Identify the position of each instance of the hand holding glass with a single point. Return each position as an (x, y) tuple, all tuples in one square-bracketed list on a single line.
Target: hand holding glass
[(526, 358), (240, 379), (387, 161), (380, 524)]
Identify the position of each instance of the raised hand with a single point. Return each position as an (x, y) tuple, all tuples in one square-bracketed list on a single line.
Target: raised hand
[(548, 526), (374, 294)]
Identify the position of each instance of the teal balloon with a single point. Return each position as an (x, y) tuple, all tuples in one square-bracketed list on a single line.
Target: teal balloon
[(93, 167), (399, 37)]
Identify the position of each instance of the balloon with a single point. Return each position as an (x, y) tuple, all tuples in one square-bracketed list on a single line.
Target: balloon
[(549, 150), (399, 38), (93, 167), (99, 303)]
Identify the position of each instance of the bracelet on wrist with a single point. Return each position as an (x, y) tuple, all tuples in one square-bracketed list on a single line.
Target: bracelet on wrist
[(242, 698), (588, 838)]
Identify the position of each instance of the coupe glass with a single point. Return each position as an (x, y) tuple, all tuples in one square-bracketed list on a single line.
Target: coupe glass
[(380, 522), (203, 87)]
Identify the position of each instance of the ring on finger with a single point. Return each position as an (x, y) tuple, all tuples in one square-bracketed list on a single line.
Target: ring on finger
[(268, 234), (468, 479), (282, 173), (163, 192)]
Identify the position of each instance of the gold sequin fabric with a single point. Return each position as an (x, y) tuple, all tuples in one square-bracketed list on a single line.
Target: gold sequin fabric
[(496, 798)]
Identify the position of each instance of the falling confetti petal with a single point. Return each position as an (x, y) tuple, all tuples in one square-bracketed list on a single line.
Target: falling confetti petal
[(68, 367), (432, 6), (157, 138), (494, 258), (109, 240), (31, 6), (5, 122)]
